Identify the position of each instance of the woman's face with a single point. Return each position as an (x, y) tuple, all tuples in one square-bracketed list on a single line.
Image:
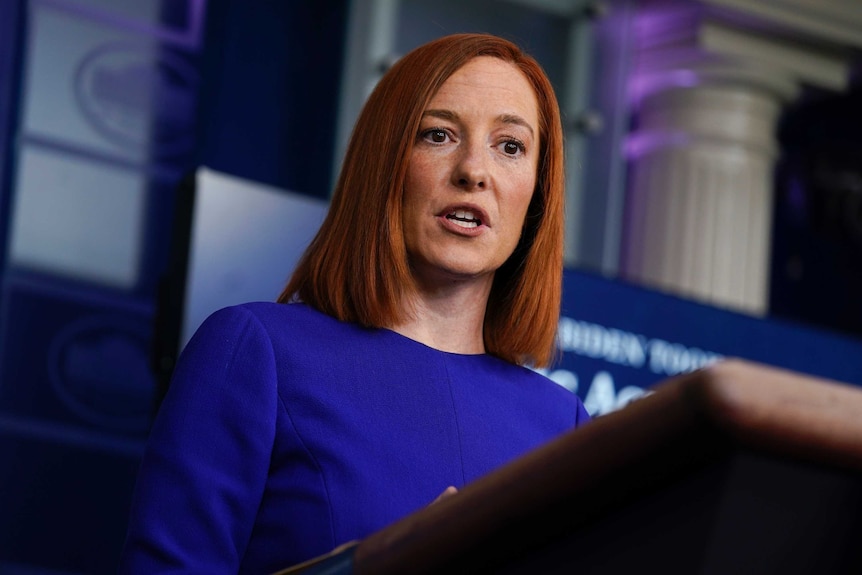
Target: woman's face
[(471, 173)]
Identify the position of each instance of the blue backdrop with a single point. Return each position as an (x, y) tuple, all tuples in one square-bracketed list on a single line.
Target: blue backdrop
[(619, 339)]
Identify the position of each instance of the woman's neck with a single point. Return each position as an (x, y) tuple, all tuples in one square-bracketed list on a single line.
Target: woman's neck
[(450, 318)]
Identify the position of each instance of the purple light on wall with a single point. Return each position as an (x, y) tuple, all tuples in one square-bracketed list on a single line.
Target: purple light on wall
[(641, 144), (796, 201), (666, 24), (663, 41), (645, 83)]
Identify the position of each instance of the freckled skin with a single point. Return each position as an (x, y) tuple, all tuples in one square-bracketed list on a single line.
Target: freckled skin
[(477, 150)]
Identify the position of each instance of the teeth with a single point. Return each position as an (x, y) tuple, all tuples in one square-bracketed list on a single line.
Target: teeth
[(464, 218), (463, 224)]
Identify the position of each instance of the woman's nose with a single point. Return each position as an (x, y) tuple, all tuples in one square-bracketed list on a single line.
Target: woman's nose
[(471, 170)]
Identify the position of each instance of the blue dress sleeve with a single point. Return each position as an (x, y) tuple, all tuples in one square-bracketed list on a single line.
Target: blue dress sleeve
[(581, 415), (205, 468)]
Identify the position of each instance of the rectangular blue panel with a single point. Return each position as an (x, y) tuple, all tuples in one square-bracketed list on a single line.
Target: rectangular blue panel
[(74, 369), (619, 339), (76, 218)]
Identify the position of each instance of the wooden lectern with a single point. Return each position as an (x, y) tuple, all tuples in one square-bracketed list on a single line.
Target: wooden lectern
[(738, 468)]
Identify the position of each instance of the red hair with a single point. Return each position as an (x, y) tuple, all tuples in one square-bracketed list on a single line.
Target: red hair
[(356, 268)]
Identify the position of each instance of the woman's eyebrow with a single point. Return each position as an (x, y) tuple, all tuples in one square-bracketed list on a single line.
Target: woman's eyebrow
[(513, 119), (516, 120), (442, 114)]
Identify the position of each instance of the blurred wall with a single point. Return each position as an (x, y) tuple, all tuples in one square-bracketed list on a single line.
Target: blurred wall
[(104, 106), (269, 94)]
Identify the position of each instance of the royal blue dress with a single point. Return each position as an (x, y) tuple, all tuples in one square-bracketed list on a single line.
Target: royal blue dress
[(286, 432)]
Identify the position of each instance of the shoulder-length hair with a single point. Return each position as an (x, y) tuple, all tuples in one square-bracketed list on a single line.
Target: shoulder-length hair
[(356, 268)]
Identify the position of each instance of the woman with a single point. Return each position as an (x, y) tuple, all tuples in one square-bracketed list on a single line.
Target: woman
[(392, 366)]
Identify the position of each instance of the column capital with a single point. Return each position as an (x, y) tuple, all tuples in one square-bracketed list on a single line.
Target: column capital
[(835, 22), (765, 44)]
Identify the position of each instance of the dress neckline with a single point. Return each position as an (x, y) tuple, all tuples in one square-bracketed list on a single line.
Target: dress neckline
[(410, 340)]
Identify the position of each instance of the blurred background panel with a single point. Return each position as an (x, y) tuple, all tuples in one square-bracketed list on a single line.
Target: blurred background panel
[(99, 112)]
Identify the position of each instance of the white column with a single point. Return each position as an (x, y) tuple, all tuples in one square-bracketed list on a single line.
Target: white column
[(700, 195), (708, 95)]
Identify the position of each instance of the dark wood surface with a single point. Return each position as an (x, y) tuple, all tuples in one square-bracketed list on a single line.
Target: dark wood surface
[(684, 428)]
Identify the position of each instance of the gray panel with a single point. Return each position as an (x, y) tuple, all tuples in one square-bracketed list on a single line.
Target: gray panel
[(246, 239)]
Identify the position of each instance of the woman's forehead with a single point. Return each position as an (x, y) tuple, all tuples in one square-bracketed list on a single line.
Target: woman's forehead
[(490, 85)]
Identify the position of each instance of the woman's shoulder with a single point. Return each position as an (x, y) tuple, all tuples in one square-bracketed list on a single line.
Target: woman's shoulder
[(264, 310), (527, 375), (272, 316), (293, 328)]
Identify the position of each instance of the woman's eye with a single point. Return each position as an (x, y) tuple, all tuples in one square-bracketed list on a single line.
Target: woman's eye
[(436, 136), (513, 147)]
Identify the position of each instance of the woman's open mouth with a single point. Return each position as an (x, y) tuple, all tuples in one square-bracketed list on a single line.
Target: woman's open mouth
[(464, 218)]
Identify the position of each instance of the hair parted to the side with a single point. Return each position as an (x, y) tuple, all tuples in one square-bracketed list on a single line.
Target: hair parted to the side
[(356, 268)]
